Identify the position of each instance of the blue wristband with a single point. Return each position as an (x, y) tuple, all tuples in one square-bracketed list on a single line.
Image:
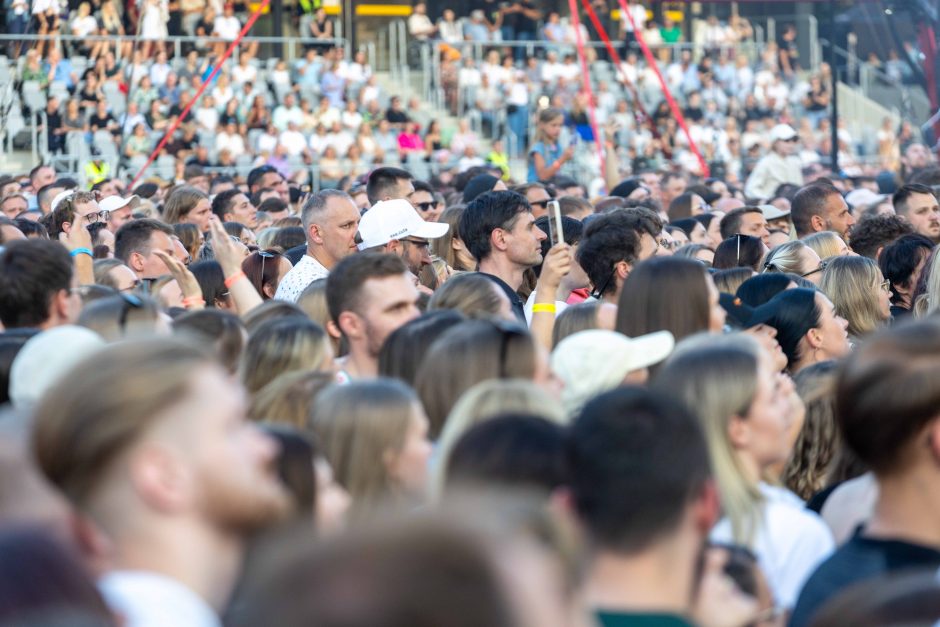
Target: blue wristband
[(82, 251)]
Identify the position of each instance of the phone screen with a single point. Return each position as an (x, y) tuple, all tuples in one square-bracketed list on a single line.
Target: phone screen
[(556, 233)]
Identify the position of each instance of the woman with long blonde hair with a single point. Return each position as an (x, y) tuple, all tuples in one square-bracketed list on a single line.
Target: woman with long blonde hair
[(374, 434), (859, 293), (730, 383)]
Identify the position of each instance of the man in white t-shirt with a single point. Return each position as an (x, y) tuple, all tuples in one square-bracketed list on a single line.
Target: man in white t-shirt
[(331, 221), (227, 26), (150, 443)]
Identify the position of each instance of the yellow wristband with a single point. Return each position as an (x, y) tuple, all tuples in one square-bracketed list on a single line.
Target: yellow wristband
[(543, 308)]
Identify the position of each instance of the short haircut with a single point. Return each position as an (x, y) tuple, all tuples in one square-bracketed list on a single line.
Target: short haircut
[(255, 176), (875, 232), (899, 260), (35, 171), (422, 186), (32, 272), (611, 238), (111, 400), (731, 224), (901, 198), (739, 251), (636, 460), (486, 213), (222, 203), (891, 374), (345, 282), (572, 204), (134, 237), (317, 203), (44, 193), (808, 202), (273, 205), (383, 180)]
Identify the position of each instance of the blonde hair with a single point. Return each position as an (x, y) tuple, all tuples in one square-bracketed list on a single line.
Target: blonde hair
[(470, 293), (283, 345), (807, 470), (483, 402), (443, 247), (313, 302), (717, 379), (786, 258), (79, 432), (825, 243), (118, 317), (850, 283), (288, 399), (544, 117), (357, 425)]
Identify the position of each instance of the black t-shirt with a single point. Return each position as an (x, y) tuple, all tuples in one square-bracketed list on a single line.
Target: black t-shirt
[(519, 21), (518, 307), (100, 123), (859, 559), (396, 117)]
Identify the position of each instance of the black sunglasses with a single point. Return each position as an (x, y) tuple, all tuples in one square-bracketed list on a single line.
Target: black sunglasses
[(508, 331), (426, 206)]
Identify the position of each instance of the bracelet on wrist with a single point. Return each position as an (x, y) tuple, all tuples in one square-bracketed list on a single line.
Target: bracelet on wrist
[(543, 308), (230, 281), (82, 251), (193, 301)]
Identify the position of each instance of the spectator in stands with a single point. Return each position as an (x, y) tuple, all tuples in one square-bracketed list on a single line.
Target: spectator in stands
[(369, 296), (144, 245), (499, 230), (821, 207), (902, 263), (778, 167), (38, 286), (656, 516), (547, 157), (900, 453), (919, 206), (331, 222), (388, 183), (145, 392), (611, 247)]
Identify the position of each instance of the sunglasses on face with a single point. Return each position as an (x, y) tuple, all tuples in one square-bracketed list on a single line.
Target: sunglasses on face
[(540, 203), (417, 243), (424, 207)]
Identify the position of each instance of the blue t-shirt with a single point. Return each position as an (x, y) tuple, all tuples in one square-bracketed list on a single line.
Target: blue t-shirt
[(551, 154)]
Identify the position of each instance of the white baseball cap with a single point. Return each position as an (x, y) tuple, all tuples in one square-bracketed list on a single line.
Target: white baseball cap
[(46, 358), (113, 203), (782, 132), (389, 220), (772, 213), (594, 361)]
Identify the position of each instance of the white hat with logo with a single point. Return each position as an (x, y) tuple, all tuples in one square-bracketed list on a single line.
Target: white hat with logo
[(389, 220)]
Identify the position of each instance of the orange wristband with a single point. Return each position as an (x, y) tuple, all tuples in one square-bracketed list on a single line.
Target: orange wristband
[(230, 281)]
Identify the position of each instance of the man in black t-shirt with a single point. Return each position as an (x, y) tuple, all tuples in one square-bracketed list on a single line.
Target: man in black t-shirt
[(888, 404), (101, 120), (520, 23)]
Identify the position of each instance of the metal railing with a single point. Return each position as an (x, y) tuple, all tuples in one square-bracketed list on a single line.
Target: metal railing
[(293, 45)]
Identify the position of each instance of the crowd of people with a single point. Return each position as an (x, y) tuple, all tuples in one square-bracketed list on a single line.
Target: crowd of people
[(463, 402), (426, 388)]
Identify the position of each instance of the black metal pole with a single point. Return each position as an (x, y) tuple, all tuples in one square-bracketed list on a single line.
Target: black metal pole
[(834, 120)]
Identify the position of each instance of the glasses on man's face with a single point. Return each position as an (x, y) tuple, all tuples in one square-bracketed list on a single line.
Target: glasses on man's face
[(93, 217), (417, 243), (540, 203), (424, 207)]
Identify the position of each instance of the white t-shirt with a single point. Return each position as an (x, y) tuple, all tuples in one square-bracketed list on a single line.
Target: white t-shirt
[(790, 543), (227, 27), (146, 599), (299, 278), (244, 74)]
